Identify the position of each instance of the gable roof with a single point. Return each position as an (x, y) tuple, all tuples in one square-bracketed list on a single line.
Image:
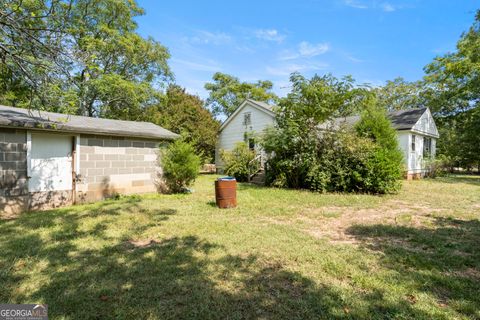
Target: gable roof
[(406, 119), (401, 120), (58, 122), (262, 106)]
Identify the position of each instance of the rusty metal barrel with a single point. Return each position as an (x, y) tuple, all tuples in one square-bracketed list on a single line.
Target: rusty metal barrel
[(226, 192)]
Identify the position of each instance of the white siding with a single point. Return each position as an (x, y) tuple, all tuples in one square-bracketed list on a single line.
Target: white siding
[(426, 125), (234, 131), (403, 138), (414, 159)]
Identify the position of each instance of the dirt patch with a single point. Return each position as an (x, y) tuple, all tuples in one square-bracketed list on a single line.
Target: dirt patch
[(9, 216), (144, 243), (470, 273), (333, 222)]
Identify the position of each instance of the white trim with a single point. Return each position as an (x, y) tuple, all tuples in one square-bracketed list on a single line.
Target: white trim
[(436, 134), (77, 154), (423, 133), (244, 103), (29, 154)]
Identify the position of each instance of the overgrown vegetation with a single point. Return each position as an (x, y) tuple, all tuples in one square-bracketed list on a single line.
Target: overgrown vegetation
[(240, 162), (281, 254), (180, 165), (307, 150)]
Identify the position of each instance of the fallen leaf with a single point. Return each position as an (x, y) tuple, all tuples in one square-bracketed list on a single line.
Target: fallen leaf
[(412, 299)]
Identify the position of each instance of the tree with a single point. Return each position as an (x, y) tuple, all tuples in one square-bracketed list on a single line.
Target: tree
[(319, 98), (227, 93), (400, 94), (32, 39), (101, 66), (454, 82), (185, 114)]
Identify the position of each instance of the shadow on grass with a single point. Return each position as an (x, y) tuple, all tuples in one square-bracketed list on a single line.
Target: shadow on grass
[(443, 260), (467, 179), (172, 278)]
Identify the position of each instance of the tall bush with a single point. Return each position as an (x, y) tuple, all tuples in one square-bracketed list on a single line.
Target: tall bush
[(303, 154), (240, 162), (385, 163), (180, 166)]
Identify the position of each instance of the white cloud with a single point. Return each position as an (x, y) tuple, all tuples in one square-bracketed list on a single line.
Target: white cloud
[(384, 6), (207, 37), (355, 4), (269, 35), (304, 50), (307, 49), (387, 7), (285, 70), (353, 59)]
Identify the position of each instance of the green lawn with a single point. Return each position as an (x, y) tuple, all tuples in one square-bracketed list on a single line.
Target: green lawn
[(280, 254)]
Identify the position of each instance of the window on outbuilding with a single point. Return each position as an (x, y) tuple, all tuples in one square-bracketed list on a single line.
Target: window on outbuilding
[(247, 118), (427, 147), (414, 138), (251, 144)]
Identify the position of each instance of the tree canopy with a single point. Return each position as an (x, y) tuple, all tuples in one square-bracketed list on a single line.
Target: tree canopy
[(185, 114), (79, 56), (228, 92), (317, 99), (399, 94), (453, 82)]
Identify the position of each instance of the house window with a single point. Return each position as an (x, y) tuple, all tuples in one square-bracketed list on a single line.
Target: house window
[(251, 144), (414, 138), (427, 147), (247, 118)]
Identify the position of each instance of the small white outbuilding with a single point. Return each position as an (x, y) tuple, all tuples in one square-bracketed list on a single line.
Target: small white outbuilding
[(416, 132)]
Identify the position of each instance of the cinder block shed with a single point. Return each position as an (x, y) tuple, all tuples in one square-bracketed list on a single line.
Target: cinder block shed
[(50, 159)]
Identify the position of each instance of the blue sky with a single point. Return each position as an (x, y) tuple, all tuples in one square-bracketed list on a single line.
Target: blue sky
[(371, 40)]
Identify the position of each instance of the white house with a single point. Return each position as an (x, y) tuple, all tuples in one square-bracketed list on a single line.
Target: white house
[(416, 131)]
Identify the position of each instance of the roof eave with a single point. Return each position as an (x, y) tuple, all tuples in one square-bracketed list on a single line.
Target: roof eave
[(420, 132), (33, 126)]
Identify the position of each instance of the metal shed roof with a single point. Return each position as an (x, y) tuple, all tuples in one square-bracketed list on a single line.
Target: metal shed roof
[(42, 120)]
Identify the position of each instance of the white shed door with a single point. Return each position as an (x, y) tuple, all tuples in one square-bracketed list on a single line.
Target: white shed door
[(51, 163)]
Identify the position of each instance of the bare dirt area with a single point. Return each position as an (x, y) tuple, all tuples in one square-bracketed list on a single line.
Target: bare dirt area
[(333, 222)]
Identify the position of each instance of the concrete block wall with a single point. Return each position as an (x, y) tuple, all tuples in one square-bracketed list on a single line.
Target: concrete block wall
[(13, 170), (116, 165)]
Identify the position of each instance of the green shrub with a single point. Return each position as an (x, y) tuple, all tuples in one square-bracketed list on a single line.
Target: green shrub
[(240, 162), (365, 158), (385, 164), (180, 166), (438, 167)]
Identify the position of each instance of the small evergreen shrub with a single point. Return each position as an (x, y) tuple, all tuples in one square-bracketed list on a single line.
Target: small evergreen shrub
[(239, 162), (180, 166)]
